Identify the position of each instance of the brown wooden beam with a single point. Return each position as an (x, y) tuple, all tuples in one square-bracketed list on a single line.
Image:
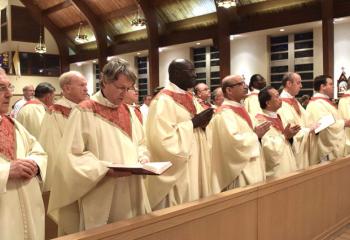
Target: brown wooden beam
[(264, 6), (119, 13), (57, 7), (341, 8), (188, 22), (62, 41), (223, 40), (308, 13), (112, 50), (98, 28), (153, 42), (328, 37)]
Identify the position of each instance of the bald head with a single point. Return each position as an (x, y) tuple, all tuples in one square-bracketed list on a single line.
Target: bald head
[(234, 88), (182, 73), (28, 92), (74, 86)]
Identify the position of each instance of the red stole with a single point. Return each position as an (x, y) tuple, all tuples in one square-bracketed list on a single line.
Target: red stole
[(324, 99), (65, 111), (7, 138), (204, 104), (119, 116), (239, 111), (183, 99), (32, 101), (345, 95), (276, 122), (294, 103), (138, 113), (252, 94)]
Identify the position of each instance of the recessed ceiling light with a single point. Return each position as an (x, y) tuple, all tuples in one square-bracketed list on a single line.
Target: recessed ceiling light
[(79, 64), (232, 37), (160, 49), (198, 43), (138, 53), (95, 61), (282, 30)]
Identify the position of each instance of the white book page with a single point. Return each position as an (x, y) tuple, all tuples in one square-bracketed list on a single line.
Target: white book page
[(325, 122)]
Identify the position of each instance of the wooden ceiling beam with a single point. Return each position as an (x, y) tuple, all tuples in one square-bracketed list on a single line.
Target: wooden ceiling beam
[(211, 17), (264, 6), (62, 41), (119, 13), (153, 42), (116, 49), (98, 29), (293, 16), (341, 8), (223, 40), (57, 7), (74, 26), (328, 37)]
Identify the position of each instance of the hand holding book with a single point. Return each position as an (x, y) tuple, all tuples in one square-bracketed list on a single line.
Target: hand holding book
[(149, 168)]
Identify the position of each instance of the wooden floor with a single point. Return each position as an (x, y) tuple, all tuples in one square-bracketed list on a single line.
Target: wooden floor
[(343, 234)]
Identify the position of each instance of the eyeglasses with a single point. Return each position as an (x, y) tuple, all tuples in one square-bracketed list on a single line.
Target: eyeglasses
[(242, 83), (122, 89), (9, 88)]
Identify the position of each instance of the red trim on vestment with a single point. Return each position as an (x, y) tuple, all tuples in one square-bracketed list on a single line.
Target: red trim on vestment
[(239, 111), (32, 101), (120, 116), (184, 99), (65, 111), (276, 122), (294, 103), (8, 138), (324, 99), (138, 113)]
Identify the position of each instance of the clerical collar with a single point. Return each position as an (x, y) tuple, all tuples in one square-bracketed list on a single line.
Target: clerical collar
[(321, 95), (285, 94), (270, 114), (232, 103), (176, 88), (68, 102), (255, 91), (99, 97)]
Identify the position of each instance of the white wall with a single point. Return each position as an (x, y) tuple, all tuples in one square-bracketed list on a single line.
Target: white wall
[(249, 56), (341, 49), (166, 56)]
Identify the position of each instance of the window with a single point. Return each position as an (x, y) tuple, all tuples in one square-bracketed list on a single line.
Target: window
[(39, 64), (292, 53), (97, 77), (142, 69), (207, 64), (3, 22)]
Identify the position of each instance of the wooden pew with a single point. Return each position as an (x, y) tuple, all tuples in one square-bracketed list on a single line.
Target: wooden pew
[(309, 204)]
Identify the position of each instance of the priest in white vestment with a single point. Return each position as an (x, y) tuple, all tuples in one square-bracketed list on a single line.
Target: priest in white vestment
[(28, 93), (293, 113), (237, 158), (74, 90), (144, 107), (218, 97), (202, 93), (344, 111), (85, 193), (22, 167), (131, 99), (175, 132), (276, 143), (330, 142), (251, 102), (32, 113)]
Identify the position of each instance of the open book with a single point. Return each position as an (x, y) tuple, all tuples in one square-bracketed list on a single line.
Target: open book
[(324, 123), (150, 168)]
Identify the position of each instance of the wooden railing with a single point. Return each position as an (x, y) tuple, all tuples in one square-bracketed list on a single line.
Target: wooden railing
[(309, 204)]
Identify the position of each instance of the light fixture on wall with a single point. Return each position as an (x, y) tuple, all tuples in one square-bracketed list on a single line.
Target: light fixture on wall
[(40, 47), (138, 21), (81, 37), (226, 3)]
